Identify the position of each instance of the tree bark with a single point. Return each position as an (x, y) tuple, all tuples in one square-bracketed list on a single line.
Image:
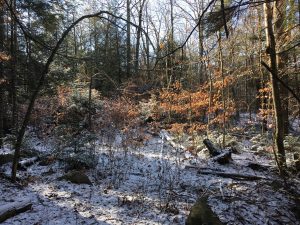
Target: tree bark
[(128, 40), (271, 51), (138, 38), (279, 12), (13, 65), (1, 75), (221, 66)]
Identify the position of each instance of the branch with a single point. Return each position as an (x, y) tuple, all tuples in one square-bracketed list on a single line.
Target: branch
[(43, 75), (236, 176), (224, 18), (211, 3), (99, 15), (290, 48), (281, 81)]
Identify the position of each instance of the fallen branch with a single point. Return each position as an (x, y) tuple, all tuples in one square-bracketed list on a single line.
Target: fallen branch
[(27, 162), (11, 209), (236, 176)]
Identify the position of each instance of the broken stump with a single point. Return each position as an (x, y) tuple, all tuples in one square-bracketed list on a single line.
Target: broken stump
[(218, 155)]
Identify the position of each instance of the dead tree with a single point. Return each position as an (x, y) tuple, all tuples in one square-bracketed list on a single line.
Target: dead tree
[(218, 155)]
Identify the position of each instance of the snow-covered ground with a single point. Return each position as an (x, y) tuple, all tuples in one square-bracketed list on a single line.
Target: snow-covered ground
[(155, 183)]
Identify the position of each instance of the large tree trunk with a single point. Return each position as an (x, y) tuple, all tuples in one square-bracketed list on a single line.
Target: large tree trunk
[(221, 67), (1, 74), (271, 51), (279, 11), (13, 64)]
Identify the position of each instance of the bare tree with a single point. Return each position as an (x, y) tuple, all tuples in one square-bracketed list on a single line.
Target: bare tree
[(271, 52)]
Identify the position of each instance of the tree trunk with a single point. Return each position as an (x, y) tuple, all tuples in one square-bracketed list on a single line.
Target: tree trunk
[(128, 40), (147, 46), (13, 53), (138, 38), (263, 100), (210, 99), (271, 51), (201, 67), (221, 66), (1, 75), (279, 12)]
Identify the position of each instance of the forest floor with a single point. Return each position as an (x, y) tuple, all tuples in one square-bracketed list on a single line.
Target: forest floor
[(156, 182)]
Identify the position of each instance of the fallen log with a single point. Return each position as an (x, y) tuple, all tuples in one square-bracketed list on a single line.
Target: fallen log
[(11, 209), (236, 176), (224, 157), (27, 162)]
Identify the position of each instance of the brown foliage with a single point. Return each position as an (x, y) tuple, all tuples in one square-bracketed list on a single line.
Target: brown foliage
[(186, 109)]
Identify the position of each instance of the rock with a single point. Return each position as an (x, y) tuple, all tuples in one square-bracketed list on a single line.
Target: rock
[(201, 213), (76, 177), (204, 154)]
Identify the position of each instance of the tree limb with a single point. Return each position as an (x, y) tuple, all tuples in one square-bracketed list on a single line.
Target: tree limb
[(281, 81), (43, 75), (224, 18)]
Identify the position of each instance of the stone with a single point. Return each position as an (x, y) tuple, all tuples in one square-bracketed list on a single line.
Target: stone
[(76, 177), (201, 213)]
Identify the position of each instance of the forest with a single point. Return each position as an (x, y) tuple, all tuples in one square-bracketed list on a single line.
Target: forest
[(153, 112)]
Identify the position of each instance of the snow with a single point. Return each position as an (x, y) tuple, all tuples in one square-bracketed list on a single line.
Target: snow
[(156, 183)]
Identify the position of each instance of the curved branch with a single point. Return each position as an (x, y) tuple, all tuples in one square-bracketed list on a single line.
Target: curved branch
[(281, 81), (43, 75), (210, 4)]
